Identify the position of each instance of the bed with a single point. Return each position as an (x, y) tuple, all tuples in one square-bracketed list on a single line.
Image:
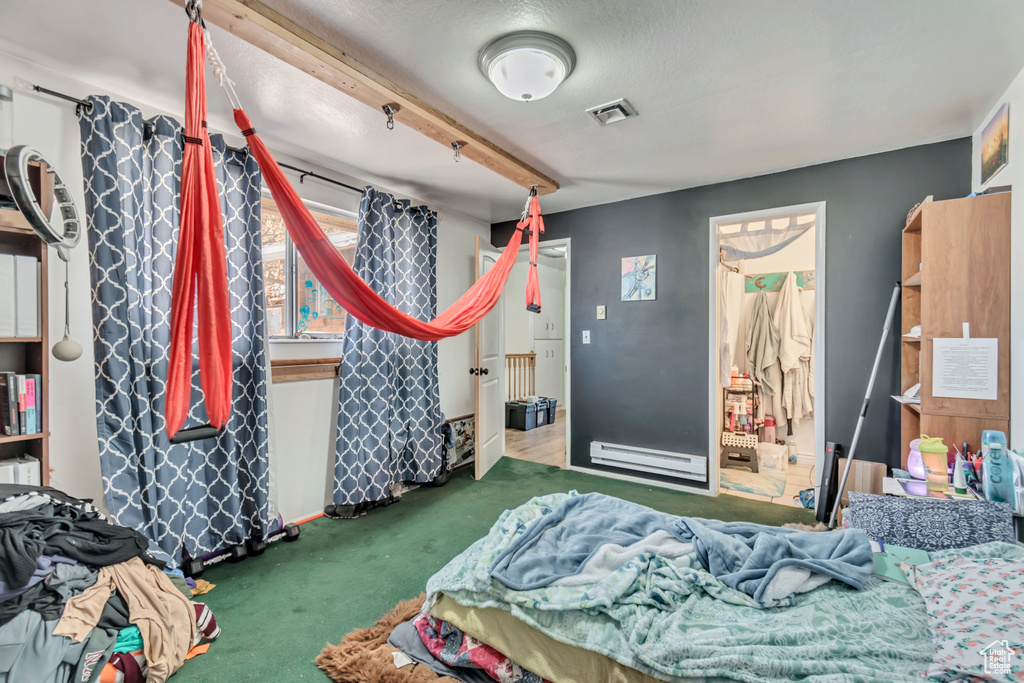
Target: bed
[(655, 612)]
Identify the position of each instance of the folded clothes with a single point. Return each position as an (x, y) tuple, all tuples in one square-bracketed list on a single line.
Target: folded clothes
[(456, 649)]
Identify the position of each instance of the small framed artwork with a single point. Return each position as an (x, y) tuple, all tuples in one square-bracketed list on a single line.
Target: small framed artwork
[(995, 144), (464, 438), (639, 278)]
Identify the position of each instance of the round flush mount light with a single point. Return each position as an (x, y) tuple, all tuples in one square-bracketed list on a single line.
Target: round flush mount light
[(527, 65)]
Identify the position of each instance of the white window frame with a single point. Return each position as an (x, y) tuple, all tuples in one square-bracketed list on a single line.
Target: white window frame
[(291, 276)]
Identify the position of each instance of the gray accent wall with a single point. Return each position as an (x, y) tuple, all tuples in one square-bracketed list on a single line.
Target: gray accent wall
[(643, 379)]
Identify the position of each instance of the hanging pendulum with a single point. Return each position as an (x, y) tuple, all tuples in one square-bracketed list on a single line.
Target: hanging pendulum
[(67, 349)]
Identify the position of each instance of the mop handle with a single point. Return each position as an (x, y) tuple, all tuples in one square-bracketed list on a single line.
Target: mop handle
[(864, 407)]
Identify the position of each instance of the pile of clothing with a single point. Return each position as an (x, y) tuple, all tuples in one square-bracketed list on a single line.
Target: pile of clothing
[(81, 599)]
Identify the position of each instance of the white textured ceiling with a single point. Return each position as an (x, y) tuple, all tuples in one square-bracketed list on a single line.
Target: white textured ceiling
[(725, 89)]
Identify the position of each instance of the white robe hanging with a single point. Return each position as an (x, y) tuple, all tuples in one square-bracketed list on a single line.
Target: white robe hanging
[(730, 287), (795, 352)]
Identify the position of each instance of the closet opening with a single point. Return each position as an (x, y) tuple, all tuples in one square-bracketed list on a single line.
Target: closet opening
[(536, 360), (766, 354)]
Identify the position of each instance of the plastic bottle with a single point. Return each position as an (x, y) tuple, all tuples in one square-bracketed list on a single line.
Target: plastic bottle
[(959, 477), (990, 437), (998, 475), (933, 454)]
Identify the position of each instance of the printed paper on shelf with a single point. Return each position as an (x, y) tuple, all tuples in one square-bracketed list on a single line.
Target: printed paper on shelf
[(26, 274), (28, 471), (7, 297)]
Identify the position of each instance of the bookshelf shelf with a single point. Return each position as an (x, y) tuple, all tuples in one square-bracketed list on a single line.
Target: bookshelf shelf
[(27, 355), (22, 437)]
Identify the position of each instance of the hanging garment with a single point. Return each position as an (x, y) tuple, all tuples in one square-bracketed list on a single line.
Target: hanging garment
[(205, 495), (762, 344), (795, 351), (730, 287), (165, 617), (389, 408)]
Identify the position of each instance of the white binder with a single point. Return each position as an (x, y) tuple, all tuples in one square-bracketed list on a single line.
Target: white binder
[(26, 274), (7, 305)]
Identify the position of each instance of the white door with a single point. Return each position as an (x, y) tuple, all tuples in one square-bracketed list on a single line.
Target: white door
[(490, 373)]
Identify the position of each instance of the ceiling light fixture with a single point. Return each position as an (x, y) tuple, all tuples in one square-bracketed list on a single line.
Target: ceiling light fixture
[(527, 65)]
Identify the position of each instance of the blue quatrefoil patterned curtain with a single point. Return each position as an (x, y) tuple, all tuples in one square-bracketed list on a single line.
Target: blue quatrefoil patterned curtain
[(206, 495), (389, 415)]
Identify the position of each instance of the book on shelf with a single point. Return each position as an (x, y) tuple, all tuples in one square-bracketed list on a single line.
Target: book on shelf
[(21, 404), (39, 402), (30, 404), (8, 405)]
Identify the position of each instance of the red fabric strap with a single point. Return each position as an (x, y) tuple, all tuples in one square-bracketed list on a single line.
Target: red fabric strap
[(200, 267)]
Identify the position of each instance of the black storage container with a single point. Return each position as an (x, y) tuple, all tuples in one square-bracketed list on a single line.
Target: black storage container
[(521, 415), (542, 412), (552, 402)]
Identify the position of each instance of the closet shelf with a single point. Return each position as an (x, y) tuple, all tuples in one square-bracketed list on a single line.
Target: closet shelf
[(911, 340), (914, 280), (12, 340)]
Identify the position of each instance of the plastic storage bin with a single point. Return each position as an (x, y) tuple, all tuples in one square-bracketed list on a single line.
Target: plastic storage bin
[(542, 412), (552, 402), (520, 415)]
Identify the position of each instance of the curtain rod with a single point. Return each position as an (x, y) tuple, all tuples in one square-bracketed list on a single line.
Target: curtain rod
[(53, 93), (311, 174)]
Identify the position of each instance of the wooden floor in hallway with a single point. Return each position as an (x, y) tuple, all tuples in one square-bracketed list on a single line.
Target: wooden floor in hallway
[(544, 445)]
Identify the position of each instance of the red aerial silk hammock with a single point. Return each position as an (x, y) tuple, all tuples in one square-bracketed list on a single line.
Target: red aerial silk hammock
[(201, 259)]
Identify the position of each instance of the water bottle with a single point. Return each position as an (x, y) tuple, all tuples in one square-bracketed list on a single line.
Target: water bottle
[(997, 475)]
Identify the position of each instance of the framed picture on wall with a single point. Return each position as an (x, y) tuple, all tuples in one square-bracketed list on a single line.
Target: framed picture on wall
[(995, 144), (639, 278)]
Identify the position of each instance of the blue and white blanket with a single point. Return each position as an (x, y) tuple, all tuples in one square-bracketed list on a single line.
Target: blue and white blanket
[(652, 605), (770, 564)]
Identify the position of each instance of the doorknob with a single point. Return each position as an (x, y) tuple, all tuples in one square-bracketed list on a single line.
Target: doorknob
[(473, 371), (482, 371), (478, 371)]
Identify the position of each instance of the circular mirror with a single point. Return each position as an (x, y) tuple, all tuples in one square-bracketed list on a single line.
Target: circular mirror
[(38, 190)]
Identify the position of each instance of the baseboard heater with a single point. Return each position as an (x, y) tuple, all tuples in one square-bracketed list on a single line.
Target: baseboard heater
[(693, 467)]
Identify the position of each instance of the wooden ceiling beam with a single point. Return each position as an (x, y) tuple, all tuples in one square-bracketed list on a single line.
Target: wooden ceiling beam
[(268, 30)]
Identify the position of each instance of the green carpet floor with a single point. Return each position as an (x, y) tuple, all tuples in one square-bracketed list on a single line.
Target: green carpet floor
[(277, 611)]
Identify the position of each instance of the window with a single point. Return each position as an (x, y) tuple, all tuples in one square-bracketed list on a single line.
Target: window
[(297, 304)]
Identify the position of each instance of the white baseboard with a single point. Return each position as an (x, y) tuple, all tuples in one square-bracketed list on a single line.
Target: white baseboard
[(806, 459), (642, 480)]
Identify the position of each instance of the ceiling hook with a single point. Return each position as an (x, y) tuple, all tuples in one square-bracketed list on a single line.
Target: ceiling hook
[(390, 110), (456, 146)]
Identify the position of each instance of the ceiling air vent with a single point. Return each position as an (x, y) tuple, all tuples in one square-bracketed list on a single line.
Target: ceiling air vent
[(613, 112)]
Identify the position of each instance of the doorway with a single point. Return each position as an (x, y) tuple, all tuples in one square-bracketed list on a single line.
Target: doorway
[(766, 354), (536, 360)]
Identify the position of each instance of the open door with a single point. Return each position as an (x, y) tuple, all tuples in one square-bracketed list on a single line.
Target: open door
[(490, 373)]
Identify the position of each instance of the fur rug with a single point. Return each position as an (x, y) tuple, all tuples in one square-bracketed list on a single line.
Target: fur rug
[(364, 656)]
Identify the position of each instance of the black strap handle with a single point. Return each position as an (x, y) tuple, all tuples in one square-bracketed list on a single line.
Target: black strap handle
[(195, 434)]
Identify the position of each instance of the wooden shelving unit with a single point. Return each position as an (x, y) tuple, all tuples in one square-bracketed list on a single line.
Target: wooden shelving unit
[(956, 269), (27, 355)]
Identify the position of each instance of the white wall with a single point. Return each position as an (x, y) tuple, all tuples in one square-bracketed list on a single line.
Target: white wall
[(1008, 176), (304, 413)]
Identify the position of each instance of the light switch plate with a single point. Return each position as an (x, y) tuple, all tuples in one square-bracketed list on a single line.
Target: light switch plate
[(586, 336), (601, 312)]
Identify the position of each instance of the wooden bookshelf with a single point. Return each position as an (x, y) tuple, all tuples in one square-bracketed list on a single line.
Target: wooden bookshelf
[(27, 355), (956, 269)]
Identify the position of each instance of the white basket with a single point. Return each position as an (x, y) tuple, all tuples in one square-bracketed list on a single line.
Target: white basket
[(739, 440)]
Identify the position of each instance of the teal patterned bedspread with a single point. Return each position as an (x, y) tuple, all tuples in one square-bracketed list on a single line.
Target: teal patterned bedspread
[(673, 620)]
